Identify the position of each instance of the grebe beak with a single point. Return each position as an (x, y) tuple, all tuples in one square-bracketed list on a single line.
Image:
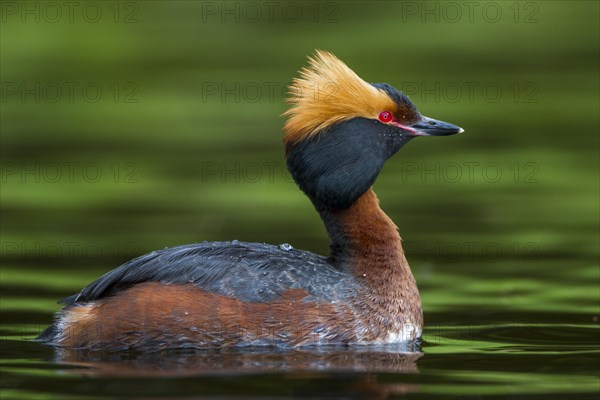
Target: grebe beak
[(432, 127)]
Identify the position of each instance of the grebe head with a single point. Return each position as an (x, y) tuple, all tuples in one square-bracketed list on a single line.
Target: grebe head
[(341, 130)]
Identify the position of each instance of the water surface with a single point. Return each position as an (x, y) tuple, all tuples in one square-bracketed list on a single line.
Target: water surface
[(500, 224)]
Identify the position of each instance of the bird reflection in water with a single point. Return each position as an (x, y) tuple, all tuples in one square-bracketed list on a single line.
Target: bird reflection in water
[(306, 363)]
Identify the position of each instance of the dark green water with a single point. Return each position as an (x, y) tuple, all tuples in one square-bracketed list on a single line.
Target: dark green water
[(154, 124)]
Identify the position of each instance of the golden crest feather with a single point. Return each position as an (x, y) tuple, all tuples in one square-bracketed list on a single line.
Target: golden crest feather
[(327, 92)]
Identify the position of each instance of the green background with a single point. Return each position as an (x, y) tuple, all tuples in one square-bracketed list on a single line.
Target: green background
[(157, 123)]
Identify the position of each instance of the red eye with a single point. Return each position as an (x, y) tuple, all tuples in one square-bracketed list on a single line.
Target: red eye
[(385, 116)]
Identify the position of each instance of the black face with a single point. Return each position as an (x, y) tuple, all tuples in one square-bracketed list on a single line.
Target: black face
[(337, 166)]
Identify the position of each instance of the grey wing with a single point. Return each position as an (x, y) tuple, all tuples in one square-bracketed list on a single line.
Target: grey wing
[(251, 272)]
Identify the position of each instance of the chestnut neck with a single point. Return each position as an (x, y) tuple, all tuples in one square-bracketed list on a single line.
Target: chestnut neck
[(366, 243), (360, 231)]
